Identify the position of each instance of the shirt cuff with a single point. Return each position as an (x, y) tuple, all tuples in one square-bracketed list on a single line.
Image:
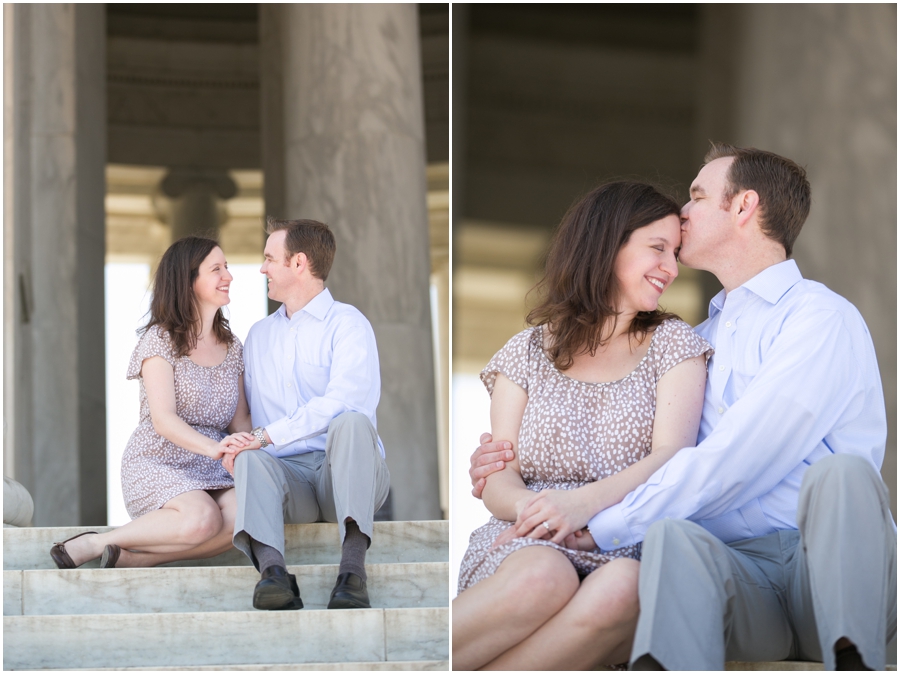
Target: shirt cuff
[(609, 529), (279, 433)]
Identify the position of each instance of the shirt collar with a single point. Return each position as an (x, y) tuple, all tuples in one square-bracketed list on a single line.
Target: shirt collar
[(770, 284), (773, 282), (317, 307)]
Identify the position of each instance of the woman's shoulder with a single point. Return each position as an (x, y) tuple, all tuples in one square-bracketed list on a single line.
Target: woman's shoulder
[(674, 341), (513, 359), (523, 344), (675, 328), (155, 341)]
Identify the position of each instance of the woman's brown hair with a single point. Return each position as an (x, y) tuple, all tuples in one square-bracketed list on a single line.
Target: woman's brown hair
[(174, 306), (579, 289)]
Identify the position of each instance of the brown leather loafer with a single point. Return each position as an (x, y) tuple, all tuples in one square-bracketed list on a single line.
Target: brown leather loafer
[(110, 556), (61, 557), (277, 591), (349, 592)]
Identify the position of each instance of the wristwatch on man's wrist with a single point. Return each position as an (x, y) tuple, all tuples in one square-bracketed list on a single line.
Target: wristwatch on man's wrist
[(260, 434)]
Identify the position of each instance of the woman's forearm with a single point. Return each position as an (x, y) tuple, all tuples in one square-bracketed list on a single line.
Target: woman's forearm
[(611, 490), (174, 429), (503, 491)]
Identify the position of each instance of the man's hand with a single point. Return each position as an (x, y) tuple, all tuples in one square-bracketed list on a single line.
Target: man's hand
[(234, 444), (580, 540), (488, 458)]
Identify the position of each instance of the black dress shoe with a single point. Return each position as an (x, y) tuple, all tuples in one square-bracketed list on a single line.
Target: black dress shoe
[(61, 557), (110, 556), (349, 592), (277, 591)]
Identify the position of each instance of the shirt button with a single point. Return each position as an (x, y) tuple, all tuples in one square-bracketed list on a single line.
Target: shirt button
[(728, 324), (721, 368), (615, 541), (288, 385), (721, 410)]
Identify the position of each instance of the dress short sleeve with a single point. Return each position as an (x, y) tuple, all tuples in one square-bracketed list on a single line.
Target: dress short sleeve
[(154, 342), (675, 342), (238, 350), (515, 360)]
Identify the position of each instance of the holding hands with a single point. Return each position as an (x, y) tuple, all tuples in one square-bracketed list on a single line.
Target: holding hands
[(557, 515), (232, 445)]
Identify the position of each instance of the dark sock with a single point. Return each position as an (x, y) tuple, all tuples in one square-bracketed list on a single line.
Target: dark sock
[(353, 552), (266, 556), (849, 660), (647, 663)]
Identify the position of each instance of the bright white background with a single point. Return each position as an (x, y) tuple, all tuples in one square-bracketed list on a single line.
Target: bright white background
[(127, 303), (471, 417)]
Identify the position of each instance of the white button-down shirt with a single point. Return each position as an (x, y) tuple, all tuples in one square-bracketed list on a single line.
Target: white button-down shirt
[(793, 379), (303, 371)]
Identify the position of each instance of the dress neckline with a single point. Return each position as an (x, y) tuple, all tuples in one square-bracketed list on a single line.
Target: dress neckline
[(211, 367), (539, 336)]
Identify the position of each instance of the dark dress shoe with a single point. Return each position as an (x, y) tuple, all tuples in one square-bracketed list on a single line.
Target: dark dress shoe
[(110, 556), (61, 557), (349, 592), (277, 591)]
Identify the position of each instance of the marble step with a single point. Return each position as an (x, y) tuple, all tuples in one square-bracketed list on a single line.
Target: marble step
[(185, 640), (426, 541), (202, 589), (413, 666), (783, 666)]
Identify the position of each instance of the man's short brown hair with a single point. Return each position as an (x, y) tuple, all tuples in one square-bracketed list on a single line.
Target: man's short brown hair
[(784, 192), (310, 237)]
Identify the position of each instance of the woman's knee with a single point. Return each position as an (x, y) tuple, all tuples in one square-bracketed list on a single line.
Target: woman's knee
[(201, 523), (609, 596), (544, 579)]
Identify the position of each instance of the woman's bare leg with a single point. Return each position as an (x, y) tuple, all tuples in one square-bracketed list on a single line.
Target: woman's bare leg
[(595, 628), (183, 523), (221, 542), (492, 616)]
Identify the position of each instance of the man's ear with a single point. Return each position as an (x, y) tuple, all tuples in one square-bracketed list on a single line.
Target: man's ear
[(299, 262), (746, 203)]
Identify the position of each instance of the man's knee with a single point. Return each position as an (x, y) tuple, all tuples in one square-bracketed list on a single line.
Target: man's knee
[(250, 460), (839, 467), (668, 531), (356, 420)]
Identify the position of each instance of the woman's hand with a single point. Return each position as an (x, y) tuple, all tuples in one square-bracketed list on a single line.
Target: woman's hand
[(234, 444), (564, 511)]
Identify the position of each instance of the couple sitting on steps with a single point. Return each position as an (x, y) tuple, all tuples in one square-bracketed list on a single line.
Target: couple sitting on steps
[(291, 416), (751, 497)]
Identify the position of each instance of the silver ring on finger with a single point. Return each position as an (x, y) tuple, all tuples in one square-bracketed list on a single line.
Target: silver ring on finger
[(546, 526)]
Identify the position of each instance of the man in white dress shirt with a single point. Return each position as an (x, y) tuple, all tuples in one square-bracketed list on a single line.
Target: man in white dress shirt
[(771, 539), (312, 381)]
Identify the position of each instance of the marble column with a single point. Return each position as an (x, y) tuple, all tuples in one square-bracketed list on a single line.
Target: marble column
[(195, 201), (818, 84), (54, 185), (353, 156)]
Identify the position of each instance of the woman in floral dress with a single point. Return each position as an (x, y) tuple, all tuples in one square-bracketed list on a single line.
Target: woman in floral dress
[(193, 413), (594, 398)]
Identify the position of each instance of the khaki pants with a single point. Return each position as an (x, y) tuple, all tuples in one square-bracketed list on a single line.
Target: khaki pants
[(349, 479), (789, 595)]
